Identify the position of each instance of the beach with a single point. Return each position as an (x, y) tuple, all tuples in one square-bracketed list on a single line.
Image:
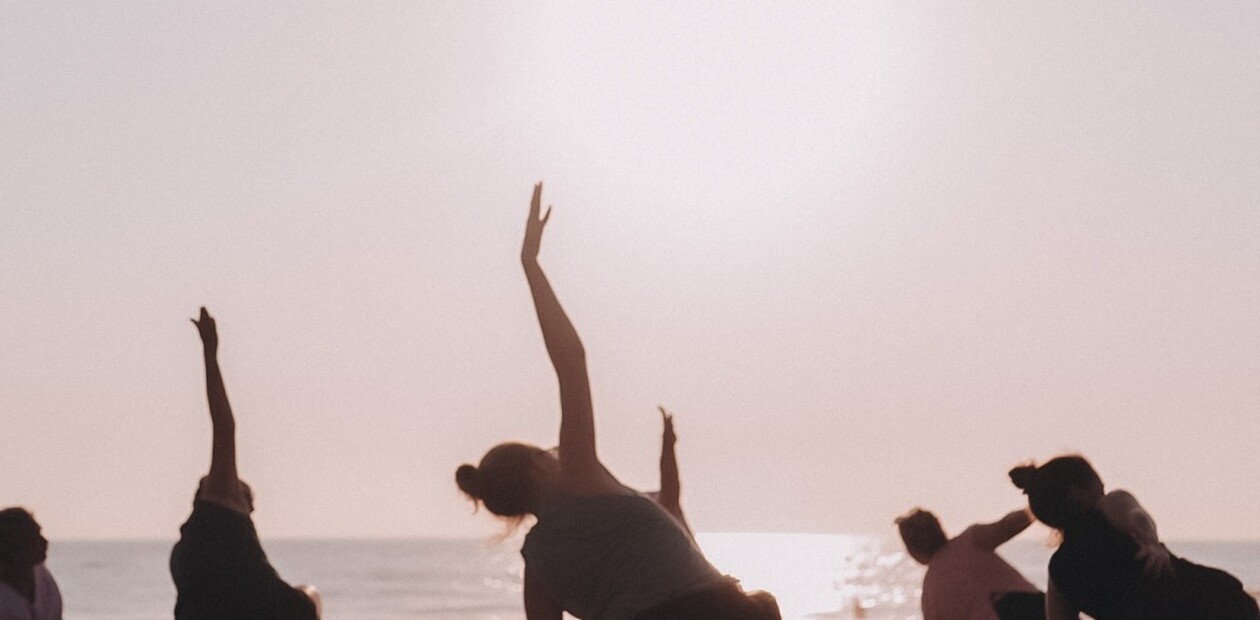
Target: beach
[(813, 575)]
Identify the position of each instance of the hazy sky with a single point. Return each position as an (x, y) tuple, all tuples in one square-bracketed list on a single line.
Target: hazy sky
[(872, 254)]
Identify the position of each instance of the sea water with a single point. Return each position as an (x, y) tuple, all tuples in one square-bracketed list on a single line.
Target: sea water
[(813, 575)]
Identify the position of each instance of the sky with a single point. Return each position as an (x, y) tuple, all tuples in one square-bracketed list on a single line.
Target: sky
[(871, 254)]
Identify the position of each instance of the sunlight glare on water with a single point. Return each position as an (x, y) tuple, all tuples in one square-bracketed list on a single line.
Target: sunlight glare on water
[(820, 575)]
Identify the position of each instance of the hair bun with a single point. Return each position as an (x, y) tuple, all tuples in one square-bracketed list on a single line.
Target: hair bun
[(1022, 476), (469, 480)]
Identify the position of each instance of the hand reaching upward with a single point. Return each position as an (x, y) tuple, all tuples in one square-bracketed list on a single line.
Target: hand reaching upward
[(534, 227), (209, 334), (667, 434)]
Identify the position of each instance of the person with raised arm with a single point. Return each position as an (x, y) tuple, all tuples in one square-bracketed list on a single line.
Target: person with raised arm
[(597, 550), (27, 590), (670, 495), (218, 566), (966, 579), (1111, 563)]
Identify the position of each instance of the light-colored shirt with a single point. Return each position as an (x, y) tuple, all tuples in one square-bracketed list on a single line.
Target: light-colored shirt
[(613, 557), (47, 603), (962, 578)]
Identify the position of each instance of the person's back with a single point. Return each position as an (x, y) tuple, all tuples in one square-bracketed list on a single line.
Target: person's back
[(614, 556), (220, 571), (966, 579)]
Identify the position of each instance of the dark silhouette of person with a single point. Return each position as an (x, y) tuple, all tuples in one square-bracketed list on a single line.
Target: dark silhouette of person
[(27, 590), (966, 579), (1111, 563), (218, 565), (598, 549)]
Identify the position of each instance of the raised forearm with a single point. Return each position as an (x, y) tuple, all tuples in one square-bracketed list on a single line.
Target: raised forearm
[(223, 446), (993, 535), (216, 394), (670, 488), (564, 346)]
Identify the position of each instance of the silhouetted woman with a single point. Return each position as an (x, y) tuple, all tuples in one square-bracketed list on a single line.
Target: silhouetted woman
[(27, 589), (218, 565), (1111, 564), (598, 550)]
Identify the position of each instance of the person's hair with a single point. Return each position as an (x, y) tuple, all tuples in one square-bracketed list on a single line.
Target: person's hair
[(503, 482), (1050, 488), (921, 532), (13, 522)]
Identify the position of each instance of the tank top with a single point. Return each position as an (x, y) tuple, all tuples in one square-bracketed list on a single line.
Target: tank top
[(613, 557)]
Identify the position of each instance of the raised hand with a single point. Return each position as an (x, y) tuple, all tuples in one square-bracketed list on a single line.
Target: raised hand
[(209, 334), (534, 227), (667, 420)]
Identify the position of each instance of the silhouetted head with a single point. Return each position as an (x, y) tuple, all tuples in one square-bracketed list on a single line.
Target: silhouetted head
[(246, 490), (921, 532), (509, 478), (22, 543), (1061, 491)]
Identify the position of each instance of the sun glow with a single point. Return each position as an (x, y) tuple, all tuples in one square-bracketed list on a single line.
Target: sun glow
[(817, 575)]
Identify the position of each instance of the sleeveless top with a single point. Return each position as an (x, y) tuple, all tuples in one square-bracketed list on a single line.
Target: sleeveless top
[(1096, 569), (613, 557), (220, 571)]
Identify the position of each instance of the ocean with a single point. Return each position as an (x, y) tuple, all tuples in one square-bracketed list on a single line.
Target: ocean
[(821, 576)]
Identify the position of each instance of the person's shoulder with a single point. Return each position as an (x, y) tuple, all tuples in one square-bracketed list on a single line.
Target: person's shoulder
[(967, 536)]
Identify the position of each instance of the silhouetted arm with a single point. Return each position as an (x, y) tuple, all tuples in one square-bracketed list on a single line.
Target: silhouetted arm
[(992, 535), (1057, 608), (671, 489), (1124, 513), (538, 604), (578, 461), (222, 485)]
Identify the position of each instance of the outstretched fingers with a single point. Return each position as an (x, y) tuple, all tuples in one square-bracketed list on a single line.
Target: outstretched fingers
[(534, 225)]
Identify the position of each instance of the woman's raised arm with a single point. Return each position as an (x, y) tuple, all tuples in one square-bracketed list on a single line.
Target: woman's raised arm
[(671, 489), (578, 460), (222, 485)]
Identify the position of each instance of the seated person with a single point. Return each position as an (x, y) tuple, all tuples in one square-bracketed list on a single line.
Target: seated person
[(966, 580), (218, 565), (27, 589)]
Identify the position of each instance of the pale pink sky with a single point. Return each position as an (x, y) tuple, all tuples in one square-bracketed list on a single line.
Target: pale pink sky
[(871, 255)]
